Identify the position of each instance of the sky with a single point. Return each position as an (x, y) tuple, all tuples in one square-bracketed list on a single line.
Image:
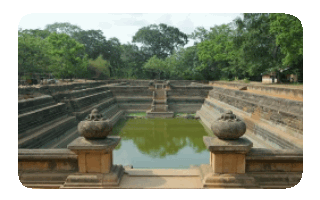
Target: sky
[(124, 26)]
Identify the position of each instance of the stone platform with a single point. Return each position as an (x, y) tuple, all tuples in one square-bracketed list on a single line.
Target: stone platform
[(159, 114)]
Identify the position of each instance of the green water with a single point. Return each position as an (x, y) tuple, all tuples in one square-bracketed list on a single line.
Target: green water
[(160, 143)]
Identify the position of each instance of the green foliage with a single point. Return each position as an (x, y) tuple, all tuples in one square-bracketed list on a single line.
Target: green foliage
[(93, 40), (139, 114), (32, 52), (65, 28), (160, 40), (68, 56), (289, 36), (246, 47), (246, 80), (100, 67), (157, 65)]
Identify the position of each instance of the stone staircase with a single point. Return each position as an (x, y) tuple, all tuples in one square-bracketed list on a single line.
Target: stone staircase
[(261, 133), (159, 107), (159, 103), (51, 121)]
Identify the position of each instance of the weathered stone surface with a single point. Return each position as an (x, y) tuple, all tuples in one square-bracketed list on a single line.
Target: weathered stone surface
[(228, 126), (241, 145), (270, 133), (95, 180), (104, 145), (94, 126)]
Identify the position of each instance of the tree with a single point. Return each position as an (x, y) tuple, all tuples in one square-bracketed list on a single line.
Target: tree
[(133, 60), (200, 34), (68, 56), (112, 52), (215, 52), (93, 40), (160, 40), (156, 65), (32, 52), (65, 27), (99, 67), (289, 36)]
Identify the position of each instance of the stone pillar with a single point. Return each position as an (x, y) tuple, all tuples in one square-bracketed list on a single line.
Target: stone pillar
[(227, 155), (94, 150)]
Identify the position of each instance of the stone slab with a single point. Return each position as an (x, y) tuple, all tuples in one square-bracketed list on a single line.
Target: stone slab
[(159, 114), (162, 172), (216, 145), (104, 145)]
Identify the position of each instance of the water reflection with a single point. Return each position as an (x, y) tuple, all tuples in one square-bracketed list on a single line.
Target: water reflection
[(159, 138)]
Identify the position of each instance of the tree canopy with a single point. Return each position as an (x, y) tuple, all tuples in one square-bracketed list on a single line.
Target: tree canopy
[(160, 40), (244, 48)]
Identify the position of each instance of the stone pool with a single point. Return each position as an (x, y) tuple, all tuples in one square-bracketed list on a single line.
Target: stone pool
[(160, 143)]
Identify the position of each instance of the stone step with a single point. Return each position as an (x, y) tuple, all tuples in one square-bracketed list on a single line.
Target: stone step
[(82, 102), (47, 134), (116, 117), (38, 128), (110, 111), (159, 108), (84, 112), (63, 140), (27, 105), (40, 116), (159, 101), (260, 129)]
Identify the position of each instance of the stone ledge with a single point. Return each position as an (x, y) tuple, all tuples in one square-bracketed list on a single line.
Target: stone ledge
[(159, 114), (105, 145), (273, 154), (216, 145), (42, 154), (162, 172)]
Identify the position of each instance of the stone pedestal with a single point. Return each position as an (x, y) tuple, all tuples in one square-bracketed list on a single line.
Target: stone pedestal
[(227, 163), (96, 169), (228, 156)]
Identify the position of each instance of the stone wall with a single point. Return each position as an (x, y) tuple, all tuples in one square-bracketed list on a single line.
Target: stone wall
[(51, 89), (46, 167), (259, 129), (284, 113), (290, 92), (269, 160), (269, 169)]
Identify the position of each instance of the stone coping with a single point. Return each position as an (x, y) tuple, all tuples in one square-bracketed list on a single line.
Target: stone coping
[(83, 144), (35, 99), (216, 145), (40, 110), (275, 86), (258, 95), (45, 154), (274, 154), (128, 86), (193, 87), (162, 172), (272, 107)]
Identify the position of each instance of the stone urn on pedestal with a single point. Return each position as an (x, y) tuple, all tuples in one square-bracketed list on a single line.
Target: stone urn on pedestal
[(94, 149), (228, 127), (227, 154), (94, 127)]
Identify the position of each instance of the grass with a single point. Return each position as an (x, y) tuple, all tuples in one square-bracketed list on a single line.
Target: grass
[(179, 114), (141, 114)]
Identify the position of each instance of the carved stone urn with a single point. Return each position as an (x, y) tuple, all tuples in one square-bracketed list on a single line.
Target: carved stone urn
[(94, 127), (228, 127)]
